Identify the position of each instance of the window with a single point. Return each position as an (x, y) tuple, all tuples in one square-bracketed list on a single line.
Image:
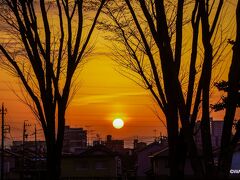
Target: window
[(83, 165), (101, 165), (166, 163)]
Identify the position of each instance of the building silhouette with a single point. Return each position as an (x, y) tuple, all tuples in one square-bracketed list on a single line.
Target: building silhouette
[(114, 145), (138, 145), (215, 131), (75, 140), (97, 162)]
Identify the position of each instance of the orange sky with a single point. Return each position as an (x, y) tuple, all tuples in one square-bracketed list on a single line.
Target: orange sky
[(102, 96)]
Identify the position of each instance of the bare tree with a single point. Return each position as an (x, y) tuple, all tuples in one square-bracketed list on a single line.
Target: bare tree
[(46, 57), (207, 34), (149, 47)]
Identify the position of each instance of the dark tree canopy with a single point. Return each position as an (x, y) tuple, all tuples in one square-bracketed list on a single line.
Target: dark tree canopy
[(223, 86)]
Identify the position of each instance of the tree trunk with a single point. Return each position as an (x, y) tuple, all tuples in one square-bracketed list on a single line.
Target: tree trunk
[(53, 162), (53, 153), (172, 145), (191, 150), (206, 75), (186, 135), (205, 123), (175, 162)]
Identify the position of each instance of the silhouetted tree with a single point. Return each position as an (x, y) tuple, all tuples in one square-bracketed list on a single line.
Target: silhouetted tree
[(207, 36), (149, 47), (45, 56), (229, 142), (222, 104), (230, 138)]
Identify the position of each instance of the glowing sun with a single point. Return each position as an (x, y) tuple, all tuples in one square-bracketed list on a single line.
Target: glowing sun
[(118, 123)]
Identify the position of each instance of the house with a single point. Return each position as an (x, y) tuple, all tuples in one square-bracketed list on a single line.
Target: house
[(9, 162), (235, 167), (160, 164), (37, 147), (215, 131), (96, 162), (143, 164), (17, 166), (128, 161)]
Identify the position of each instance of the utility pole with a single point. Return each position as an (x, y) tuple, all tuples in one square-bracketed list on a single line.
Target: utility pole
[(155, 134), (25, 135), (35, 138), (3, 112)]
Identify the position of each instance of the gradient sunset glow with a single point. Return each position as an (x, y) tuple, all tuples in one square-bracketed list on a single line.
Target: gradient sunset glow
[(102, 95)]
